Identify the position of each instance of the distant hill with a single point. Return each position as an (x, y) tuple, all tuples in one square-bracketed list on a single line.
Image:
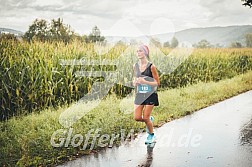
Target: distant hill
[(215, 35), (10, 31), (222, 36)]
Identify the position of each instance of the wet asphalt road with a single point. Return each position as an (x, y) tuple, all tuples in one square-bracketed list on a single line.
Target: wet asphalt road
[(219, 136)]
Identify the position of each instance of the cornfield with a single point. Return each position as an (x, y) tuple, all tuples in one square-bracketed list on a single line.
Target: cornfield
[(33, 76)]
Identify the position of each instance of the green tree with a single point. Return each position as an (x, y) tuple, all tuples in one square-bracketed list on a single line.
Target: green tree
[(60, 32), (174, 42), (41, 30), (203, 44), (236, 45), (155, 42), (38, 30), (248, 38), (95, 36), (247, 3), (166, 44)]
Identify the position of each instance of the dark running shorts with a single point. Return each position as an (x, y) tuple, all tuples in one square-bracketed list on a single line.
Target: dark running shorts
[(143, 99)]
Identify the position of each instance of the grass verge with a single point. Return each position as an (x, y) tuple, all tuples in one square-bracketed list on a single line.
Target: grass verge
[(25, 141)]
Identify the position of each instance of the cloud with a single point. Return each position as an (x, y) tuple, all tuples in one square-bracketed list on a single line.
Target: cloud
[(226, 12), (14, 13), (82, 15)]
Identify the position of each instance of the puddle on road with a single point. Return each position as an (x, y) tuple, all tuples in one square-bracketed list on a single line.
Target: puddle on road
[(148, 159), (226, 140), (246, 134)]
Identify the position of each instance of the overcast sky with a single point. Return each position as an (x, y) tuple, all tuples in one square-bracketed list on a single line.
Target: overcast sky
[(126, 17)]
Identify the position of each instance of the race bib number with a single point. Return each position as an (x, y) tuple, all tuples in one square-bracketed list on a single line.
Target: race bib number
[(144, 88)]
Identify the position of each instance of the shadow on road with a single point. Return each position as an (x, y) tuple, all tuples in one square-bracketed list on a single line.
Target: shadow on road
[(246, 134)]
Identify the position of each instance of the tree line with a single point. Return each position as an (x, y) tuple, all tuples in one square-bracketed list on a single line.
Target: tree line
[(203, 43), (56, 30)]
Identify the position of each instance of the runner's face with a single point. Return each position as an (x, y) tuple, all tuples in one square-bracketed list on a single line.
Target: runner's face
[(140, 53)]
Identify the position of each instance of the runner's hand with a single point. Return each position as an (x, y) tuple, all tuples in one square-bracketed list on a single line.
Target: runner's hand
[(141, 80), (135, 82)]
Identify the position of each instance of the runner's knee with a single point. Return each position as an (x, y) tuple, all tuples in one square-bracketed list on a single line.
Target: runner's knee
[(138, 118), (146, 119)]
